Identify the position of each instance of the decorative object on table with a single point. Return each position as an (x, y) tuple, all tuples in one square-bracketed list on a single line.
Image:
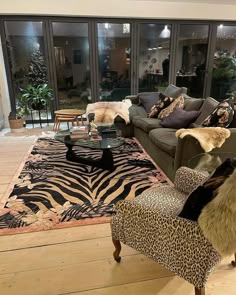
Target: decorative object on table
[(218, 218), (208, 137), (222, 115), (16, 123), (79, 132), (206, 191), (52, 192), (93, 129)]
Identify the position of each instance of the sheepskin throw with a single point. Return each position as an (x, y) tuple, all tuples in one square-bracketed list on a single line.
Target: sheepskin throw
[(218, 218), (208, 137), (107, 111)]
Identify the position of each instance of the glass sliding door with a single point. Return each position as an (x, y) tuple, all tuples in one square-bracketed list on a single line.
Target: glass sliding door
[(191, 58), (114, 44), (71, 50), (224, 68), (154, 54), (27, 62)]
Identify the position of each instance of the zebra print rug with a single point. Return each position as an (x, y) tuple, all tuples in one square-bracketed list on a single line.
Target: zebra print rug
[(52, 192)]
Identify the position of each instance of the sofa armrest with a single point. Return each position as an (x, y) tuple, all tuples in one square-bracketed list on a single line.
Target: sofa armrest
[(134, 99), (159, 237), (186, 179), (188, 147)]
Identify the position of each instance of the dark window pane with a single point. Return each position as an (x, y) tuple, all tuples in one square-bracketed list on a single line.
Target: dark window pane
[(191, 58), (154, 57), (71, 48), (26, 53), (114, 60), (224, 70)]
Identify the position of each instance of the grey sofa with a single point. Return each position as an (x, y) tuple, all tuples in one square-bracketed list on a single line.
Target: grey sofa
[(161, 144)]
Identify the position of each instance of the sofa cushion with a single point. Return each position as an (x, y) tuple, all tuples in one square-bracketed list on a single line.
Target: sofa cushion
[(207, 107), (148, 99), (222, 115), (174, 91), (164, 139), (179, 119), (164, 101), (136, 110), (177, 103), (193, 104), (146, 124)]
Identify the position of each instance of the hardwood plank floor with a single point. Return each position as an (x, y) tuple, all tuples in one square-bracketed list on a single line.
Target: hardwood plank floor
[(78, 260)]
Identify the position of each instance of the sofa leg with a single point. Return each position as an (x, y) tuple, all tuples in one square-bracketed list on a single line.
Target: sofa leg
[(116, 253), (234, 261), (200, 291)]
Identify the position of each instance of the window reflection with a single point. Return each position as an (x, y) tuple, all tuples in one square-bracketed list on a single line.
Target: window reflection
[(71, 49), (114, 60), (154, 55), (224, 69), (191, 58)]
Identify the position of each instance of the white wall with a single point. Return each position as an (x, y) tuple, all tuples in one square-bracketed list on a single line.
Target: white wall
[(4, 95), (122, 8)]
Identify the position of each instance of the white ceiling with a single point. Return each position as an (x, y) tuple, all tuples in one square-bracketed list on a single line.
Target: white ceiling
[(222, 2)]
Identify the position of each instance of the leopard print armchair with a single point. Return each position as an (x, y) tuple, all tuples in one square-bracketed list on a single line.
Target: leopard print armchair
[(150, 224)]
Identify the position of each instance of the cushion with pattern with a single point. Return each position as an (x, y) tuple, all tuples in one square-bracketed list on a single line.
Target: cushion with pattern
[(177, 103), (164, 101), (222, 115)]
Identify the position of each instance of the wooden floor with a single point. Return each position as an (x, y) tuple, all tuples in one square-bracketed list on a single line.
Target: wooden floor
[(79, 260)]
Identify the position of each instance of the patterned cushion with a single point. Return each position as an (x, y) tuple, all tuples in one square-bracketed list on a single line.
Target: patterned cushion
[(177, 103), (222, 115), (164, 101), (206, 191)]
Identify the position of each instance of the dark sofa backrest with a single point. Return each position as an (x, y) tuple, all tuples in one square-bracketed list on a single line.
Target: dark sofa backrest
[(208, 106), (233, 123)]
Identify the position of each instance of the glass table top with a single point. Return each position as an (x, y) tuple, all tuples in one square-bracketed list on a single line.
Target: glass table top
[(92, 143), (208, 162)]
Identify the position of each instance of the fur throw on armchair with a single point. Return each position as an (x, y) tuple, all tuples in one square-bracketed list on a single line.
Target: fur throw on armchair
[(218, 218), (107, 111), (208, 137)]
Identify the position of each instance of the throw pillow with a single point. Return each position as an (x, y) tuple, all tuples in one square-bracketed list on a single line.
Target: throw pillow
[(148, 99), (206, 192), (222, 115), (179, 119), (177, 103), (164, 101)]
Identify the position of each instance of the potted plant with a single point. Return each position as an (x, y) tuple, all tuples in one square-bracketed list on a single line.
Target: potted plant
[(37, 97), (16, 122)]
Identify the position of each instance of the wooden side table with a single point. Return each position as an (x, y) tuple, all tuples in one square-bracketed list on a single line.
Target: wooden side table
[(68, 115)]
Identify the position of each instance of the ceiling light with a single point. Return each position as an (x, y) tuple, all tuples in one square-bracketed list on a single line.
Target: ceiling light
[(165, 33), (221, 26), (106, 25), (160, 47)]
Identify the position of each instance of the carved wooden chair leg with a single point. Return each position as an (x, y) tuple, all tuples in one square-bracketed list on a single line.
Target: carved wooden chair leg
[(234, 261), (116, 253), (200, 291)]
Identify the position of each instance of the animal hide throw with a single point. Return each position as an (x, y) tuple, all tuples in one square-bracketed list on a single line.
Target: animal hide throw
[(218, 218), (107, 111), (208, 137)]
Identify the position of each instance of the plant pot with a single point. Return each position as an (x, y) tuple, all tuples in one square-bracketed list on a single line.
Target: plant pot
[(17, 125), (37, 106)]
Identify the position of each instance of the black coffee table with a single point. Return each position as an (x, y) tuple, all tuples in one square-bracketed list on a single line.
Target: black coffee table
[(104, 144)]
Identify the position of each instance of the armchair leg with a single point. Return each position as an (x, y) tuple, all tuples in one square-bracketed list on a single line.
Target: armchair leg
[(234, 261), (200, 291), (116, 253)]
